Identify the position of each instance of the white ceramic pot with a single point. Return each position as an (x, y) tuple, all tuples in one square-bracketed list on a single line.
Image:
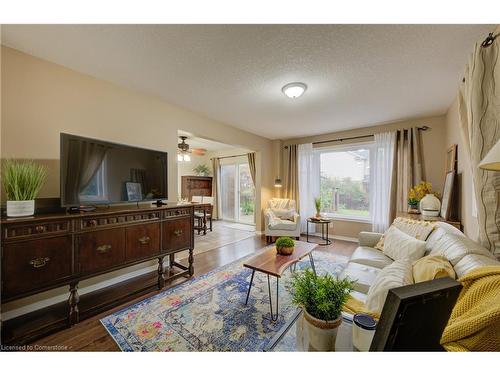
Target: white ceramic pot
[(430, 205), (20, 208), (315, 335)]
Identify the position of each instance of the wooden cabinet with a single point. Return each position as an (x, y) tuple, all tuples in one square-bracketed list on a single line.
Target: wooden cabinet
[(48, 251), (177, 234), (100, 249), (34, 264), (196, 186), (142, 241)]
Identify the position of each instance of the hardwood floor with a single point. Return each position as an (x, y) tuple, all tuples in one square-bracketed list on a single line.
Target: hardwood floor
[(90, 335)]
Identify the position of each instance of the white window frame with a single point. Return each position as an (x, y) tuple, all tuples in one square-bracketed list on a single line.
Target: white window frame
[(348, 147), (101, 186)]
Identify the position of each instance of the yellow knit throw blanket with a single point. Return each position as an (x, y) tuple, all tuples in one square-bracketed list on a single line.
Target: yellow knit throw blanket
[(474, 323)]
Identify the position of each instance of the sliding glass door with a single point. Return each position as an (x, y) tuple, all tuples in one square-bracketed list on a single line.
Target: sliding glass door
[(237, 193)]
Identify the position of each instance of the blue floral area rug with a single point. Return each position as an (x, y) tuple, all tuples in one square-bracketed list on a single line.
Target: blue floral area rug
[(208, 313)]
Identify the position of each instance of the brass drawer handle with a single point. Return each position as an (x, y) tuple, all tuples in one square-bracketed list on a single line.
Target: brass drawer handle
[(40, 228), (144, 240), (103, 249), (39, 262), (178, 232)]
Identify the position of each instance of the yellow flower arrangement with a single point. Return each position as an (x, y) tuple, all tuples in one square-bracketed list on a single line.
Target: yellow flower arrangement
[(416, 193)]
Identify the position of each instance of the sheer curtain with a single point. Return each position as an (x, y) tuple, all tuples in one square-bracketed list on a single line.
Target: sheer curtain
[(309, 182), (382, 159)]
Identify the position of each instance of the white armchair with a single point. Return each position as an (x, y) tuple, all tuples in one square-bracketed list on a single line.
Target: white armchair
[(281, 219)]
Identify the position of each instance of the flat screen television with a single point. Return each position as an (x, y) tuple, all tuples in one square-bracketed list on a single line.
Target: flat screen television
[(95, 172)]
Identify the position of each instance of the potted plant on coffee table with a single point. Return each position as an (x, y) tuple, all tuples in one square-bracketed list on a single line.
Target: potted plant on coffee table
[(285, 246), (321, 299), (22, 181)]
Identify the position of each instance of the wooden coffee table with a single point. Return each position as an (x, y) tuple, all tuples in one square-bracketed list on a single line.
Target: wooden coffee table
[(273, 264)]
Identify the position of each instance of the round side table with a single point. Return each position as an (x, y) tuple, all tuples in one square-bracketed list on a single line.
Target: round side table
[(324, 223)]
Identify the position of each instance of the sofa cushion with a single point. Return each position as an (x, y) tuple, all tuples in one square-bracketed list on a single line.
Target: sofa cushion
[(432, 267), (359, 296), (440, 230), (370, 257), (399, 245), (418, 229), (397, 274), (472, 261), (280, 224), (364, 276), (283, 213), (454, 247)]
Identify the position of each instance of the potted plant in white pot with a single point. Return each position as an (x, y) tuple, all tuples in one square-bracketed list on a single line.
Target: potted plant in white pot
[(22, 181), (321, 298)]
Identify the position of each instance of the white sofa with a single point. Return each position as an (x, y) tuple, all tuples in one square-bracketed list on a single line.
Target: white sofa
[(366, 261), (281, 219)]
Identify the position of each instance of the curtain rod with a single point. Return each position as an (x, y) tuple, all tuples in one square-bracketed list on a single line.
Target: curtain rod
[(232, 156), (423, 128)]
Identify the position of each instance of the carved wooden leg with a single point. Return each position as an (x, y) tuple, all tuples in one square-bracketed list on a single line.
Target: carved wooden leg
[(73, 300), (161, 277), (191, 261)]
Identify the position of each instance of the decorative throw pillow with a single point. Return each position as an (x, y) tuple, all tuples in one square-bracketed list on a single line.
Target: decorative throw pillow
[(283, 213), (471, 262), (454, 247), (418, 229), (432, 267), (396, 274), (399, 245)]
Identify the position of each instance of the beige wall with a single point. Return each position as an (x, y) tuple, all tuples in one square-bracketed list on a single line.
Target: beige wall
[(434, 147), (464, 172), (41, 99)]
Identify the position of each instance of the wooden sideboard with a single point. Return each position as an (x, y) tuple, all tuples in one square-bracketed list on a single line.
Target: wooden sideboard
[(48, 251), (196, 186)]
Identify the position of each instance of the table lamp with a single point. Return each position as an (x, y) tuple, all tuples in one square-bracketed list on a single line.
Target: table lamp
[(491, 161)]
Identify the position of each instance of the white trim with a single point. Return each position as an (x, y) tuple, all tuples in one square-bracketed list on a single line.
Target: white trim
[(356, 219)]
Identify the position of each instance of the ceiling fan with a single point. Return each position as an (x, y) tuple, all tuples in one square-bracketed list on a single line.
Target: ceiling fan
[(183, 150)]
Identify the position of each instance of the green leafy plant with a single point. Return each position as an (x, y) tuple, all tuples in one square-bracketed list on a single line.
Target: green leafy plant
[(22, 180), (247, 207), (317, 204), (285, 242), (321, 296), (202, 170)]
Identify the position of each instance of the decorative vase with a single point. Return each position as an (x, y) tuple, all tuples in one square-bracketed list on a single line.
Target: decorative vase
[(20, 208), (285, 250), (430, 205), (318, 215), (316, 335)]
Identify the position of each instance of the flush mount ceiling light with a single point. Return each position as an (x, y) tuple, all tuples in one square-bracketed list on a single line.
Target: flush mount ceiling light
[(294, 90)]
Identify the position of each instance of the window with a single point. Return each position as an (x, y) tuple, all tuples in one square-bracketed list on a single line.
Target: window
[(95, 191), (345, 181)]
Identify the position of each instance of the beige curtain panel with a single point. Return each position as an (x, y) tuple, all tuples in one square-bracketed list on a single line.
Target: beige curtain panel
[(479, 100), (251, 165), (407, 168), (291, 173), (215, 187)]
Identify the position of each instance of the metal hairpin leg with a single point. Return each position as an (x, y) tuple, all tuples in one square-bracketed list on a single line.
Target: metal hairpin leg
[(273, 317), (250, 286), (312, 263)]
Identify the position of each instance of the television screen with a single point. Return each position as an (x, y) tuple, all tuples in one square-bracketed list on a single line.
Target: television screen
[(97, 172)]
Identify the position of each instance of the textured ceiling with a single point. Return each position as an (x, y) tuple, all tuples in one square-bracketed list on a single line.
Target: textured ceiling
[(357, 75)]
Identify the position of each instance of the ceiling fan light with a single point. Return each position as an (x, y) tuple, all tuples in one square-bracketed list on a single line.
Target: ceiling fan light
[(294, 90), (187, 157)]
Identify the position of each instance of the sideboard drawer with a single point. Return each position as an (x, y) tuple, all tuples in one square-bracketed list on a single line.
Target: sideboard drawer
[(177, 234), (34, 264), (142, 241), (101, 249)]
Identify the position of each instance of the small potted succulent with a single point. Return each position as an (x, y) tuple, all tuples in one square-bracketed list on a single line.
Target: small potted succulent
[(22, 181), (321, 298), (285, 246), (202, 170)]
